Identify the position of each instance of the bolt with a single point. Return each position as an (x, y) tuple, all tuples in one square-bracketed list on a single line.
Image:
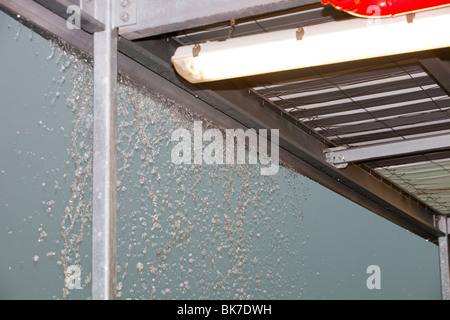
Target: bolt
[(124, 16), (125, 3)]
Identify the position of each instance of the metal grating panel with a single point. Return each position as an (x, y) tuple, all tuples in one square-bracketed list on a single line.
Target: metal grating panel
[(366, 107), (429, 181)]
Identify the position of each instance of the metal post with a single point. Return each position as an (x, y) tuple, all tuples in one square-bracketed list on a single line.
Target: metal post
[(444, 261), (104, 172)]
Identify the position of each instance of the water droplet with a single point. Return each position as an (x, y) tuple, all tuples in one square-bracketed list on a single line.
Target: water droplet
[(19, 30), (42, 234)]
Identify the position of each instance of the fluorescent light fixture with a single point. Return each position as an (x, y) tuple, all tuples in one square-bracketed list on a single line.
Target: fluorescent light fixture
[(310, 46)]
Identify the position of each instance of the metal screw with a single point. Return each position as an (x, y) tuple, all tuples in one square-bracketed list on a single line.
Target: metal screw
[(125, 3), (124, 16)]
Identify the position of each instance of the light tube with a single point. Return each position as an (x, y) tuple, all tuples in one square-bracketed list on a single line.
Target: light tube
[(322, 44)]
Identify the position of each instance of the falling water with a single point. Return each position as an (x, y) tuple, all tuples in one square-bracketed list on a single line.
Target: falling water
[(77, 218), (184, 231), (199, 231)]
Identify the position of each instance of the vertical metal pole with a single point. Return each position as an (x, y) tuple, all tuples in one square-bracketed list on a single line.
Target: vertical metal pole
[(444, 261), (104, 172)]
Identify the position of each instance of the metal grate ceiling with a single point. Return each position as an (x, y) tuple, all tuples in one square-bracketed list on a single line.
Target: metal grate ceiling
[(380, 101), (365, 107), (429, 181)]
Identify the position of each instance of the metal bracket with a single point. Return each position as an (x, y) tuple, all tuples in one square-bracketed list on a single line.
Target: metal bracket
[(410, 17), (124, 11), (335, 159), (342, 155), (196, 50), (88, 6), (232, 28), (300, 33)]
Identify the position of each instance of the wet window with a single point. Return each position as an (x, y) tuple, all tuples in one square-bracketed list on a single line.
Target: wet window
[(184, 230)]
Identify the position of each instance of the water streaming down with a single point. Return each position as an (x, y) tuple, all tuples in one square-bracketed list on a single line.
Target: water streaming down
[(77, 218), (184, 231), (199, 231)]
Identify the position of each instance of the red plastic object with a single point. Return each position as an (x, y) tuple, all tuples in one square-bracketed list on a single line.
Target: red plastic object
[(385, 8)]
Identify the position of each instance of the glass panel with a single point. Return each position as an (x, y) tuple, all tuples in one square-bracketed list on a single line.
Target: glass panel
[(200, 231), (45, 168)]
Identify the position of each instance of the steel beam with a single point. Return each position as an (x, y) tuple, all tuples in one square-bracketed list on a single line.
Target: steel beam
[(341, 157), (105, 155), (51, 27), (444, 254), (434, 156), (59, 7), (162, 16), (439, 70)]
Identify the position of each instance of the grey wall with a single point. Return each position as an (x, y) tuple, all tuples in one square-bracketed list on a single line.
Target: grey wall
[(184, 231)]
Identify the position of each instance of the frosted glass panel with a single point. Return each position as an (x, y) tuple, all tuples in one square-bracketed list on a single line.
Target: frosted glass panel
[(45, 167)]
